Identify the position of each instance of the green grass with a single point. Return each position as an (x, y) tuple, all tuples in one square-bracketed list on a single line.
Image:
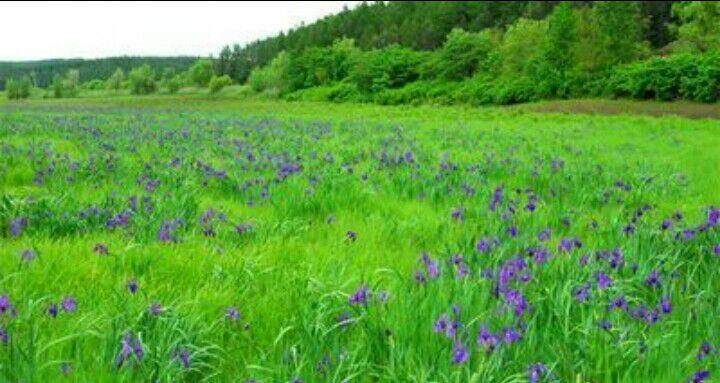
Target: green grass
[(292, 273)]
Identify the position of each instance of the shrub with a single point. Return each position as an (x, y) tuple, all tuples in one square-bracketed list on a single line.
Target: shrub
[(202, 72), (272, 78), (142, 80), (116, 80), (388, 68), (217, 83), (18, 89), (94, 84), (463, 55)]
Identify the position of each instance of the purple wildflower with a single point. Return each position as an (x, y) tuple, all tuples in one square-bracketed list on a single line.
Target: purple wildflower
[(433, 266), (53, 310), (536, 372), (69, 304), (666, 305), (496, 198), (28, 255), (458, 214), (510, 336), (705, 350), (604, 281), (700, 376), (4, 336), (156, 309), (487, 339), (183, 356), (605, 324), (461, 354), (360, 297), (132, 286), (232, 313), (653, 280), (17, 226), (351, 236)]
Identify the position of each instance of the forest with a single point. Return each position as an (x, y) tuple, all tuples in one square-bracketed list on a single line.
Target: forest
[(437, 53)]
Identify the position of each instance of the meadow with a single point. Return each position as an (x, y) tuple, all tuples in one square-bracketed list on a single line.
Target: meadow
[(182, 239)]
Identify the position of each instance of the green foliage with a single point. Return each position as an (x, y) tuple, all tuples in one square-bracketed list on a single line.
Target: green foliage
[(463, 55), (388, 68), (68, 85), (95, 84), (272, 78), (699, 28), (521, 46), (142, 80), (116, 81), (318, 66), (552, 75), (217, 83), (202, 72), (685, 76), (43, 72), (18, 89), (621, 26)]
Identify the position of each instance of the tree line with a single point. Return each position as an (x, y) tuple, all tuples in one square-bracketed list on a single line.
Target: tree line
[(139, 80), (450, 52), (644, 50)]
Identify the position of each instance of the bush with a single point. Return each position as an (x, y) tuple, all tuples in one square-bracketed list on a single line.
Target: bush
[(18, 89), (95, 84), (117, 80), (66, 86), (201, 72), (463, 55), (173, 84), (142, 80), (272, 78), (217, 83), (388, 68)]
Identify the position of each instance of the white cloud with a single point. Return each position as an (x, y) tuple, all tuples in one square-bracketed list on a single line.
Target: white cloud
[(39, 30)]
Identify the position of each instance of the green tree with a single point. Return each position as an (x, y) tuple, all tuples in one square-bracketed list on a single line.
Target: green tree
[(699, 28), (620, 28), (557, 53), (18, 89), (115, 82), (202, 72), (522, 45), (217, 83), (142, 80)]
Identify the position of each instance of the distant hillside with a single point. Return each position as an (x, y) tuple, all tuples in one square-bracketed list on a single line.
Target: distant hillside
[(43, 71), (415, 25)]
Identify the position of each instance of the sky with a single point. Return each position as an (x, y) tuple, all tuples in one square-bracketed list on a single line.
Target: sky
[(43, 30)]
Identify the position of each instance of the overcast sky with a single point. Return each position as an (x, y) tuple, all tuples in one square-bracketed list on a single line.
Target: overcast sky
[(32, 31)]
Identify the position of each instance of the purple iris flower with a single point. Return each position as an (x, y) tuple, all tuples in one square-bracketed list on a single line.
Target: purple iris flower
[(461, 354), (156, 309), (536, 372), (184, 357), (53, 310), (132, 286), (666, 305), (232, 313), (510, 336), (360, 297), (604, 281), (487, 339), (433, 266), (17, 226), (653, 280), (700, 376), (28, 255), (69, 304)]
